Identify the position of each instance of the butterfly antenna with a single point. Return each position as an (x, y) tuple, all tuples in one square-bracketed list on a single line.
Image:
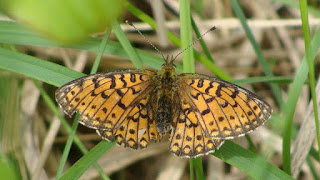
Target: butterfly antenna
[(129, 23), (211, 29)]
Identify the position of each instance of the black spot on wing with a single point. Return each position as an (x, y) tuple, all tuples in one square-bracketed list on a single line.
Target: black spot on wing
[(134, 91), (132, 77), (200, 83), (195, 96), (204, 112), (235, 93), (120, 93), (93, 94), (209, 100), (113, 82), (120, 104), (123, 81), (209, 87), (225, 104), (219, 89), (104, 96), (140, 77), (94, 80), (192, 82)]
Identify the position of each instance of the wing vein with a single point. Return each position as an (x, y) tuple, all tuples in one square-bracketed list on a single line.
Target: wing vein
[(194, 106), (224, 113)]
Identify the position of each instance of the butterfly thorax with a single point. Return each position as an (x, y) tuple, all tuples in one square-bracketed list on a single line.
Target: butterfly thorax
[(165, 95)]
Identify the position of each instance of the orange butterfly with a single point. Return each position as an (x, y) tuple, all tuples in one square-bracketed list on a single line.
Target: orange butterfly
[(134, 106)]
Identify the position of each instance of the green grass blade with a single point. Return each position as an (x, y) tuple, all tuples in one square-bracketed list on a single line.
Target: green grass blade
[(174, 39), (198, 167), (67, 147), (251, 145), (315, 154), (202, 43), (306, 34), (11, 143), (76, 170), (7, 169), (312, 168), (186, 36), (293, 95), (75, 124), (65, 153), (191, 169), (212, 67), (70, 130), (275, 88), (126, 45), (42, 70), (75, 121), (103, 44), (12, 33), (187, 57), (35, 68), (197, 32), (249, 162), (263, 62)]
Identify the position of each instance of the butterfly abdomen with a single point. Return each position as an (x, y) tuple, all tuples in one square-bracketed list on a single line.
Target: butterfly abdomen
[(165, 93), (164, 114)]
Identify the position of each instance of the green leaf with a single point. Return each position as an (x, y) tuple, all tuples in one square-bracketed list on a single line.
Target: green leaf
[(12, 33), (65, 21), (77, 169), (249, 162), (35, 68), (293, 95)]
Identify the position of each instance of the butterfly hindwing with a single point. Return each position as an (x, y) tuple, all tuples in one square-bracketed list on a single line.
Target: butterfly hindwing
[(136, 130), (187, 137), (224, 110), (104, 100)]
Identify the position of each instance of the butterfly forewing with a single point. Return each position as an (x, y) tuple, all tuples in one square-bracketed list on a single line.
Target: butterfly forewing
[(224, 110), (105, 100)]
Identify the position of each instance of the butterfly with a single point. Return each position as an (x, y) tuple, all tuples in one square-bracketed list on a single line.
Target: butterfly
[(136, 106)]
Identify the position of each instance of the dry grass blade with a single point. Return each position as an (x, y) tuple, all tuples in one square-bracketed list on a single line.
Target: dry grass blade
[(305, 138), (29, 103), (231, 23), (173, 168), (47, 146), (215, 168), (159, 14)]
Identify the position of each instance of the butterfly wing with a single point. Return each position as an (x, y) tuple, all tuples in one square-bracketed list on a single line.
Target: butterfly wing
[(104, 100), (187, 137), (224, 110), (137, 128)]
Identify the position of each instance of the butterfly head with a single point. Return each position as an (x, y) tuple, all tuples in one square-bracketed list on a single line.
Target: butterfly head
[(168, 61), (168, 65)]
